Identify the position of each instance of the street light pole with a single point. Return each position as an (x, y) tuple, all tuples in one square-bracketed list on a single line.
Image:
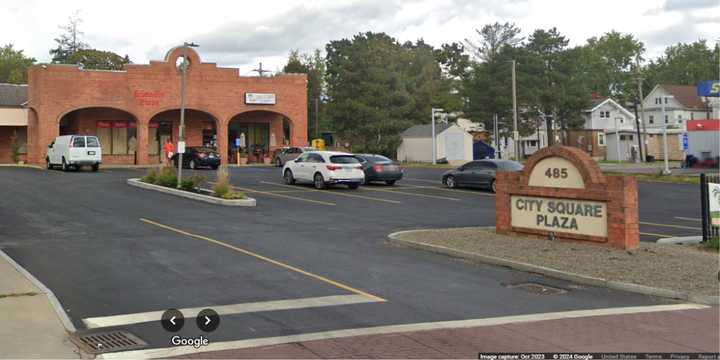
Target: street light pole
[(181, 130), (516, 134), (434, 140)]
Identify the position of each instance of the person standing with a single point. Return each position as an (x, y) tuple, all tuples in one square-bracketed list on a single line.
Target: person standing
[(169, 150)]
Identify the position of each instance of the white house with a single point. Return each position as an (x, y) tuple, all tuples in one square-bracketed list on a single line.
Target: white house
[(452, 141), (607, 115), (681, 104)]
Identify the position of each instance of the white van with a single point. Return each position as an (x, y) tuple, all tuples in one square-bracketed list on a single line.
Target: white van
[(75, 151)]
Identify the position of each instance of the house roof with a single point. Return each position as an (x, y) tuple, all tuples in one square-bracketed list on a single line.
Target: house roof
[(685, 95), (596, 103), (421, 131), (13, 95)]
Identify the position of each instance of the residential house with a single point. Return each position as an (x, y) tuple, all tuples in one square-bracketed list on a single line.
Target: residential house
[(604, 117), (681, 104)]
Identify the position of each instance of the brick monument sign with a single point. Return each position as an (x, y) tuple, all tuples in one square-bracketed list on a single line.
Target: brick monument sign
[(562, 193)]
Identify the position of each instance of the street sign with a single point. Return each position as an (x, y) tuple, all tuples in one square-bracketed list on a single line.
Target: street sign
[(181, 147), (685, 142), (237, 142)]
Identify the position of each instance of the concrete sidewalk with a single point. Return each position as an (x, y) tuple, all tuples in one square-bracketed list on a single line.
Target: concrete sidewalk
[(30, 326), (668, 331)]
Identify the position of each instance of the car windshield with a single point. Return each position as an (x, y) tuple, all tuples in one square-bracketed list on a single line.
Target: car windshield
[(509, 165), (344, 159), (92, 142), (377, 158)]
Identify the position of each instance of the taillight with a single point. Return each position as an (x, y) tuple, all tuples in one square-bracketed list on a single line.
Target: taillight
[(378, 168), (334, 167)]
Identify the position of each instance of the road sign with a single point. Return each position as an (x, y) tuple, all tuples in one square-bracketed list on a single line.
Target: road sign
[(181, 147), (685, 142), (237, 142)]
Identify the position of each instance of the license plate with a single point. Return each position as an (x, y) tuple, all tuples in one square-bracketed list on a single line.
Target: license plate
[(91, 153)]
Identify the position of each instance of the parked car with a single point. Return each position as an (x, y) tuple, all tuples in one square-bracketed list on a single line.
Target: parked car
[(195, 157), (323, 168), (74, 151), (380, 168), (289, 153), (478, 173)]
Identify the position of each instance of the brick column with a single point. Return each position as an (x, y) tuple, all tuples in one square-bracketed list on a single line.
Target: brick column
[(142, 141), (222, 140)]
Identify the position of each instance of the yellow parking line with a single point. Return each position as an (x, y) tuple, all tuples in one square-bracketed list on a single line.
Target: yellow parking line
[(669, 225), (336, 193), (658, 235), (264, 258), (688, 218), (411, 194), (281, 195), (451, 190)]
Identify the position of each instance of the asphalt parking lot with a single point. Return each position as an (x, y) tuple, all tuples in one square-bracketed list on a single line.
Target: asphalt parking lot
[(116, 256)]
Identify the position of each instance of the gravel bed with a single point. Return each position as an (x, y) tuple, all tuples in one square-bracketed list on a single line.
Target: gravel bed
[(677, 267)]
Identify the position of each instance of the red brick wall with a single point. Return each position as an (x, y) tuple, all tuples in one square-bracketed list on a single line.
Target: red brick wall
[(146, 90), (6, 132), (618, 192)]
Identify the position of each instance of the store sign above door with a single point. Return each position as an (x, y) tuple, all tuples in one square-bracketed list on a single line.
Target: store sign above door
[(259, 99)]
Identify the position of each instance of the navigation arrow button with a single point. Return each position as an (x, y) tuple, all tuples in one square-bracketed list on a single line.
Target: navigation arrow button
[(172, 320), (208, 320)]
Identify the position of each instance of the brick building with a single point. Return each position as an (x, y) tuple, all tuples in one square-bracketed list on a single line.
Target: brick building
[(133, 111)]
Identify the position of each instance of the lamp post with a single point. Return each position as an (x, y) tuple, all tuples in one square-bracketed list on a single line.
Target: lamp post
[(666, 170), (434, 140), (516, 134), (181, 130)]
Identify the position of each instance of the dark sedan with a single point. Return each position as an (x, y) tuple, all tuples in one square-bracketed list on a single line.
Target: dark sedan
[(379, 168), (478, 173), (195, 157)]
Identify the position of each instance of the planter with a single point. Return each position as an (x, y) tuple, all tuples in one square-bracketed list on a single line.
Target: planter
[(267, 161), (204, 195), (243, 161)]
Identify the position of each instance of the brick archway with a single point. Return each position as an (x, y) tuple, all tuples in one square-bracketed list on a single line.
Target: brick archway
[(264, 132), (201, 129)]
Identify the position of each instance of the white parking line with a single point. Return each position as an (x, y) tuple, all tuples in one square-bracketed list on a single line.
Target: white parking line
[(451, 190), (688, 218), (304, 303), (392, 329), (334, 193)]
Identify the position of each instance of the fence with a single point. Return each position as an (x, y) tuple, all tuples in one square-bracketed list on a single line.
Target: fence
[(710, 205)]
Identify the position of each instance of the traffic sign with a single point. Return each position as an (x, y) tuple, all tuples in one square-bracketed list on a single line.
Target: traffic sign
[(685, 141)]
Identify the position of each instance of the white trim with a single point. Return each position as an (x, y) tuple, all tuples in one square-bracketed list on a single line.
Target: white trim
[(391, 329), (614, 103)]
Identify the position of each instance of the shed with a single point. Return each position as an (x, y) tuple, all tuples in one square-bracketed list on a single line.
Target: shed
[(453, 143)]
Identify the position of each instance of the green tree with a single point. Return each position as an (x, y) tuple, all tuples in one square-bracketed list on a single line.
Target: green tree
[(98, 59), (494, 37), (683, 64), (612, 59), (14, 65), (69, 41), (314, 66)]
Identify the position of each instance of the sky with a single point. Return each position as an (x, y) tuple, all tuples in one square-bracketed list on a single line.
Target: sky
[(243, 33)]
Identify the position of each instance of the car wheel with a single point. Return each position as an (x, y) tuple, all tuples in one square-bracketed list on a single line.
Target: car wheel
[(492, 185), (65, 166), (278, 162), (450, 182), (354, 186), (390, 182), (192, 164), (95, 167), (288, 177), (318, 181), (48, 164)]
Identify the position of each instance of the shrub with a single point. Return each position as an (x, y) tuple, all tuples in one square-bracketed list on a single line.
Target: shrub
[(150, 176), (233, 195), (167, 176), (222, 186), (192, 183), (15, 147), (713, 243)]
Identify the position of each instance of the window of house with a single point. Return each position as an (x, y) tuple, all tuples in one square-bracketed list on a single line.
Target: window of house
[(621, 120), (601, 139), (666, 119), (651, 119), (602, 114), (692, 116), (666, 101), (607, 114), (679, 120)]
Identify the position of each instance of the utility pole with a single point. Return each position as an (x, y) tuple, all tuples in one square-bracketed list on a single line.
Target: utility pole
[(261, 71), (643, 143), (666, 171), (434, 140), (181, 130), (516, 134), (317, 122), (496, 136)]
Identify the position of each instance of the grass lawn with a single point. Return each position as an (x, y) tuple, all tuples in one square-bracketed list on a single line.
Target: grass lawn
[(674, 179)]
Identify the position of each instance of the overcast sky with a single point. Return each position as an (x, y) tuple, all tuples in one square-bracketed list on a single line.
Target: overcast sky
[(242, 33)]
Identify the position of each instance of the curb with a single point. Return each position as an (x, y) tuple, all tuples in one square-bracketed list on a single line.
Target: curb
[(554, 273), (54, 302), (26, 166), (681, 240), (189, 195)]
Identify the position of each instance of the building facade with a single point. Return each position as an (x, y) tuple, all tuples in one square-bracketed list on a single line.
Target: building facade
[(134, 111), (13, 123), (453, 144), (681, 104)]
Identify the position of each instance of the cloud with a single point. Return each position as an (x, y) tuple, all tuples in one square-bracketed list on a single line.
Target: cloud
[(685, 5)]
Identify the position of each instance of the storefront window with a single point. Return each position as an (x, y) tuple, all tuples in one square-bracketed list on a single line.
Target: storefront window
[(117, 137)]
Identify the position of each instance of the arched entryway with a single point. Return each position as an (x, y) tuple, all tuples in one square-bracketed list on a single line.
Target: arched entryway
[(116, 129), (200, 130), (263, 131)]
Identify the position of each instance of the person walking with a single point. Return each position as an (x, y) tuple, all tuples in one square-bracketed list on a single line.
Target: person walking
[(169, 149)]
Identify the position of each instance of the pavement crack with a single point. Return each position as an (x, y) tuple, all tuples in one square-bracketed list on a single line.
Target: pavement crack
[(30, 293)]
